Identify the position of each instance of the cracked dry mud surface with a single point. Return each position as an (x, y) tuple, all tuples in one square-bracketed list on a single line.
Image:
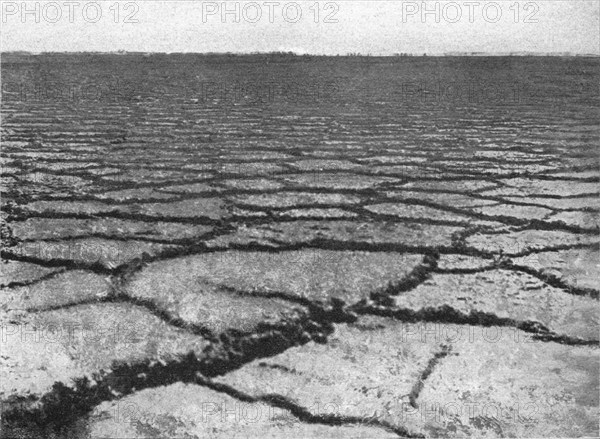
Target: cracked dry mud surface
[(348, 268)]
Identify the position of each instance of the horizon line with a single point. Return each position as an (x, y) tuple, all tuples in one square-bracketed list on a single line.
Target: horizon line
[(292, 53)]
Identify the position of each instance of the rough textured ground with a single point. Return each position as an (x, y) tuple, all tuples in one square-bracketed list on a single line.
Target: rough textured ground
[(349, 265)]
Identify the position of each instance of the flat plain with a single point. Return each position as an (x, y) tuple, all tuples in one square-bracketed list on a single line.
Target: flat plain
[(282, 246)]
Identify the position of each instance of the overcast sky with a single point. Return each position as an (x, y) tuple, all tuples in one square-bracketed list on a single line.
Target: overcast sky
[(376, 27)]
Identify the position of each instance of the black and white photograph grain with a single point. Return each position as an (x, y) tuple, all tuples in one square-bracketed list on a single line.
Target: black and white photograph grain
[(311, 219)]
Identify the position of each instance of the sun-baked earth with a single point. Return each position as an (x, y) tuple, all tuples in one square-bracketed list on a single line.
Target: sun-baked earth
[(333, 260)]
